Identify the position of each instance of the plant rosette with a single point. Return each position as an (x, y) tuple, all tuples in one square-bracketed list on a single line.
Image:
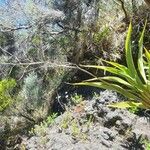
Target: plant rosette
[(130, 81)]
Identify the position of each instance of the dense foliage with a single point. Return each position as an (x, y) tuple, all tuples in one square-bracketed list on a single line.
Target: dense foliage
[(43, 42)]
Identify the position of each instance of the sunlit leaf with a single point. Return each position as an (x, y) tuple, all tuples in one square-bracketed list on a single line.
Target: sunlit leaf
[(140, 56), (128, 50), (127, 104)]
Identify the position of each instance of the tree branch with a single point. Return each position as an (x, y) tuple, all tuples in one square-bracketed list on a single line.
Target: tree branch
[(47, 64)]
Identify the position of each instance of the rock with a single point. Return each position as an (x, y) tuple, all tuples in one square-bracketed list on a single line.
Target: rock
[(106, 130), (142, 127)]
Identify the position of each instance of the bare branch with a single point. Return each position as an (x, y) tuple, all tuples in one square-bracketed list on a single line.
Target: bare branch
[(47, 64), (8, 29)]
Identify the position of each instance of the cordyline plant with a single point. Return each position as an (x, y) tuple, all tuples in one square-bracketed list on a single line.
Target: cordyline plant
[(131, 81)]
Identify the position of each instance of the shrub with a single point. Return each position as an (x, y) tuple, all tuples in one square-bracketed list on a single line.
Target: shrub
[(6, 85), (31, 90), (132, 81), (42, 128)]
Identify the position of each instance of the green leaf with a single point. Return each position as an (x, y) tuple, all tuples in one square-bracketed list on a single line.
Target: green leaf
[(147, 54), (109, 69), (140, 56), (111, 79), (119, 66), (129, 59), (117, 79), (105, 85), (127, 104), (128, 51), (122, 74)]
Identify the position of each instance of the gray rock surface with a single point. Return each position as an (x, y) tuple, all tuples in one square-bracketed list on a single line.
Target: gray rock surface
[(108, 129)]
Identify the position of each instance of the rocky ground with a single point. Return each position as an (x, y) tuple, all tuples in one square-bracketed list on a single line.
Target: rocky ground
[(91, 125)]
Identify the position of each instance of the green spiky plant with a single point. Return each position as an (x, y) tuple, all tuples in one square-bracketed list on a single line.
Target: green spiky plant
[(130, 81)]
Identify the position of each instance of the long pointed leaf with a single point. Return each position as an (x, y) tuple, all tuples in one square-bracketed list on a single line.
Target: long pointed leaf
[(118, 72), (147, 54), (118, 80), (109, 69), (119, 66), (128, 104), (114, 87), (129, 58), (111, 79), (140, 56), (128, 48)]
